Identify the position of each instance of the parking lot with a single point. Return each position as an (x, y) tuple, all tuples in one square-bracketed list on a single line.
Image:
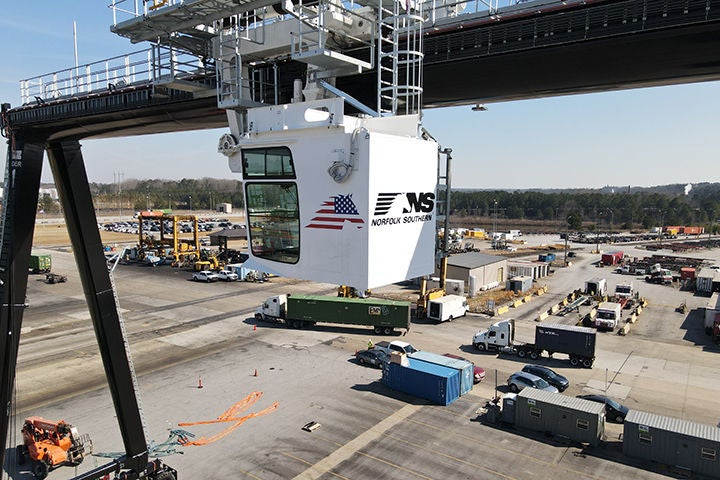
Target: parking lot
[(184, 333)]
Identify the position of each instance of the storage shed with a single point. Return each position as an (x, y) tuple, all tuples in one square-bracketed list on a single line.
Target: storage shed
[(520, 283), (480, 271), (672, 441), (575, 418), (528, 268), (223, 237), (707, 281)]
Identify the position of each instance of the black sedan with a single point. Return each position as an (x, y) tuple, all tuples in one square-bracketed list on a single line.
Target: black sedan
[(373, 357), (614, 412), (552, 377)]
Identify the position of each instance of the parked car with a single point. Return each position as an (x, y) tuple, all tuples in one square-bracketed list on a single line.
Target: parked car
[(227, 276), (520, 380), (614, 412), (372, 357), (478, 372), (205, 276), (552, 377)]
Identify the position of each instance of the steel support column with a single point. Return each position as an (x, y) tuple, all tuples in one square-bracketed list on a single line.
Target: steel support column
[(71, 181), (22, 184)]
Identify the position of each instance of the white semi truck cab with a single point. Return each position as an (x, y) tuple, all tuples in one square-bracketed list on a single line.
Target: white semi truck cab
[(608, 315)]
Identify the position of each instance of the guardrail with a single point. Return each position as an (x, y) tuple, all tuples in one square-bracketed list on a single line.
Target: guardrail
[(153, 65)]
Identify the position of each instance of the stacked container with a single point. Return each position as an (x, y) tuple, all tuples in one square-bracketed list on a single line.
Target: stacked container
[(463, 366), (436, 383)]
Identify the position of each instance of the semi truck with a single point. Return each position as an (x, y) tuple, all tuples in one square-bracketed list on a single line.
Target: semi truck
[(40, 263), (447, 308), (577, 342), (300, 311)]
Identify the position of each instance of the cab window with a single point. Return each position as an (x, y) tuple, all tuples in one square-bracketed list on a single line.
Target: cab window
[(271, 162), (274, 217)]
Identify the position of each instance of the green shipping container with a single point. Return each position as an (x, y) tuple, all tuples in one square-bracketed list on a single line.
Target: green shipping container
[(40, 263), (382, 315)]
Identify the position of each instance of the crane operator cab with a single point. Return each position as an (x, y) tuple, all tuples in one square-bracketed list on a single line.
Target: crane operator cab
[(335, 198)]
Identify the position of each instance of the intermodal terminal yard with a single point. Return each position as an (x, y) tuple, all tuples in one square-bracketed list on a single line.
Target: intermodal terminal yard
[(184, 335)]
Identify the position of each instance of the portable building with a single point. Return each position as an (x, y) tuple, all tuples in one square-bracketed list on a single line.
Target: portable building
[(465, 368), (578, 419), (534, 269), (596, 286), (707, 281), (712, 309), (436, 383), (520, 284), (672, 441)]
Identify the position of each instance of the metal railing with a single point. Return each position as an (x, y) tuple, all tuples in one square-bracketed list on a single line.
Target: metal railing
[(128, 9), (158, 64)]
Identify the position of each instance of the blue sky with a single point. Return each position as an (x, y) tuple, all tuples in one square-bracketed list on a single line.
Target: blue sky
[(637, 137)]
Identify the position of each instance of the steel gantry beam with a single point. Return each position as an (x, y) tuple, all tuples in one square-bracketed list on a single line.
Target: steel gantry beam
[(22, 184)]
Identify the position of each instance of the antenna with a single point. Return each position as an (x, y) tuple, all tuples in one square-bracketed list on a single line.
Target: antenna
[(75, 44)]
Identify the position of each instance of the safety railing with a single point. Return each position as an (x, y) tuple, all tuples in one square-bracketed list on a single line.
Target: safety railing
[(127, 9), (157, 64)]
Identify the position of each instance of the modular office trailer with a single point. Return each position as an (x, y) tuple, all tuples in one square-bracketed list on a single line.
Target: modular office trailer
[(672, 441), (575, 418), (465, 367), (436, 383)]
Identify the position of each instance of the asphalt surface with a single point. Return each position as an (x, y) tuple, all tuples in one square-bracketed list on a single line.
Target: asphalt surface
[(183, 334)]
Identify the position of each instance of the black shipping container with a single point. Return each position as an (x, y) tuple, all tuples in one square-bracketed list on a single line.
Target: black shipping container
[(568, 339)]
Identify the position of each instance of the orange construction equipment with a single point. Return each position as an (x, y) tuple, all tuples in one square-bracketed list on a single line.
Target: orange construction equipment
[(51, 444)]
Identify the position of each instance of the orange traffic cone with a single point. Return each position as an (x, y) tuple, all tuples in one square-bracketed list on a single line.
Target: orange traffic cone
[(254, 327), (256, 374), (200, 385)]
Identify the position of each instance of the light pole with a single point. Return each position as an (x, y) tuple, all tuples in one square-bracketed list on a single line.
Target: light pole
[(147, 202), (495, 220), (567, 233), (190, 196)]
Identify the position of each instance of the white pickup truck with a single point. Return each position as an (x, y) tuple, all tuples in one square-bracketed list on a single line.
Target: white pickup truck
[(395, 346)]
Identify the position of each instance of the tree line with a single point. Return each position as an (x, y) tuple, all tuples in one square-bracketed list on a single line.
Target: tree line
[(626, 210), (185, 194)]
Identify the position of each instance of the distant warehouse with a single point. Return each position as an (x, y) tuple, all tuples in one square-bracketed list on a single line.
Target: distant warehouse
[(479, 271)]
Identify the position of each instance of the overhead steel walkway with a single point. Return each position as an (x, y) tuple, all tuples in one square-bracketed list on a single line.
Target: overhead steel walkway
[(525, 53)]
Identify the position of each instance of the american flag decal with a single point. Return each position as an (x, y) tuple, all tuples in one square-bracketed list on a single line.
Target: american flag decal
[(335, 212)]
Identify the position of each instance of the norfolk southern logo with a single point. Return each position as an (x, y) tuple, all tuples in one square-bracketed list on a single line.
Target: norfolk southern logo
[(334, 212), (394, 208)]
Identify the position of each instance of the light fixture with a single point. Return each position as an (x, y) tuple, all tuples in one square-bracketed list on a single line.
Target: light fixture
[(479, 107)]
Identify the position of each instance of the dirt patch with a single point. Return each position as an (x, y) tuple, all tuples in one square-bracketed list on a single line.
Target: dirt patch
[(56, 235)]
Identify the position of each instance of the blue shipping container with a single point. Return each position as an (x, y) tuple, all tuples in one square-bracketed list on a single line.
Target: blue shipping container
[(465, 367), (546, 257), (436, 383)]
